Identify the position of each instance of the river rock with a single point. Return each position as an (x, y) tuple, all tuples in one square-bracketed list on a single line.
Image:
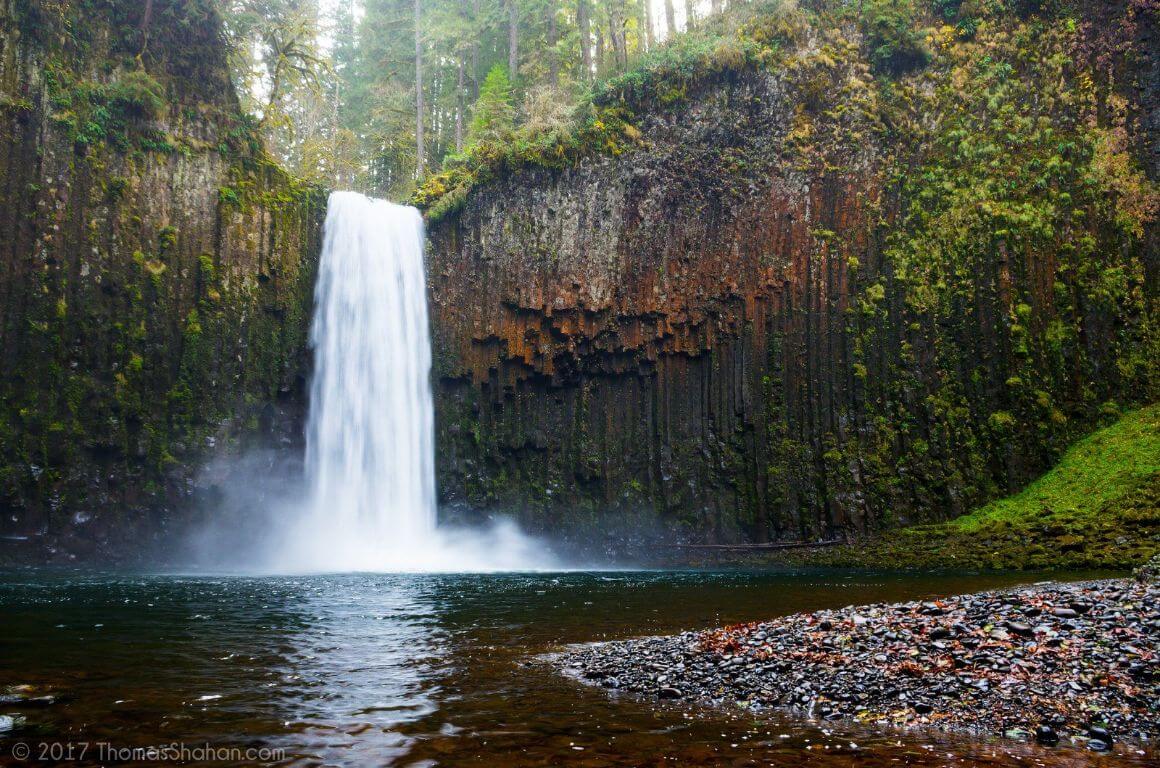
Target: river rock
[(993, 672), (1045, 734)]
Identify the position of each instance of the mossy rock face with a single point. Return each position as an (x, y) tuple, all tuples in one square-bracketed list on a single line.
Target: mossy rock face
[(1139, 508), (143, 319), (1102, 510), (784, 286), (816, 298)]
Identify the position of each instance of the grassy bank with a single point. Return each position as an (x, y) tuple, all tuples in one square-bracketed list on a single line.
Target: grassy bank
[(1098, 508)]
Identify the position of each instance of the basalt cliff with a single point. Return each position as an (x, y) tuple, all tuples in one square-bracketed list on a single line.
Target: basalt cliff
[(801, 291), (155, 272), (803, 281)]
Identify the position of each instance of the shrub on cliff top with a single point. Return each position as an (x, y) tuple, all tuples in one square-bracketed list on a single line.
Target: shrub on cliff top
[(666, 73), (556, 135), (597, 129)]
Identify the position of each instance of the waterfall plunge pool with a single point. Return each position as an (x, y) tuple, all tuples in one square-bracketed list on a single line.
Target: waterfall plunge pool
[(438, 669)]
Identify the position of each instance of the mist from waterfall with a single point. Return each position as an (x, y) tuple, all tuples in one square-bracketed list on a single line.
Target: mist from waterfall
[(370, 500)]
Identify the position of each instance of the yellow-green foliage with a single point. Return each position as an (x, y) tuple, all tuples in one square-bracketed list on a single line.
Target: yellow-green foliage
[(1026, 205), (605, 129), (1100, 469), (139, 93), (893, 35), (119, 113)]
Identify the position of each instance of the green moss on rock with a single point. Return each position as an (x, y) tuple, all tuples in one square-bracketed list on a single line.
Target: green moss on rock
[(142, 317), (1098, 508)]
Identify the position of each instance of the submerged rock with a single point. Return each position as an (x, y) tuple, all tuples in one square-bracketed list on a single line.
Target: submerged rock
[(10, 723)]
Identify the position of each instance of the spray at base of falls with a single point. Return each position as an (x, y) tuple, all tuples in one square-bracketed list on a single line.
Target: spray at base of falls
[(370, 448)]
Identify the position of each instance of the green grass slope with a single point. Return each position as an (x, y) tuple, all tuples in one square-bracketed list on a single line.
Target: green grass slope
[(1098, 508)]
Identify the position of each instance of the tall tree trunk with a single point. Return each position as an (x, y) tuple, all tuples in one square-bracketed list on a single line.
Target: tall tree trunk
[(334, 160), (599, 50), (477, 25), (690, 14), (553, 54), (275, 91), (419, 149), (513, 40), (584, 22), (646, 33), (460, 105), (616, 35), (670, 19), (716, 5)]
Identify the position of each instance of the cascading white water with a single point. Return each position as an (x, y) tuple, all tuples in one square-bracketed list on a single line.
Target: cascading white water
[(370, 453), (370, 464), (370, 450)]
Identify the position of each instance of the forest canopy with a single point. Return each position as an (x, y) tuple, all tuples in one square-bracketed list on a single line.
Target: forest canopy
[(372, 94), (377, 95)]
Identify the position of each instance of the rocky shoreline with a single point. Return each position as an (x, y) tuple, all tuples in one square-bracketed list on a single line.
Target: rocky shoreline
[(1056, 663)]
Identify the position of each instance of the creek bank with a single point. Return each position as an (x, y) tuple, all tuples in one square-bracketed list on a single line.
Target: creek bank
[(1055, 663)]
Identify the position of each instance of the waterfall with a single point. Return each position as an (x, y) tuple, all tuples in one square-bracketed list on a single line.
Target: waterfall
[(370, 451)]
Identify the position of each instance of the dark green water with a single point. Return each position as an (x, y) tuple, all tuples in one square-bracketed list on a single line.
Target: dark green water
[(422, 670)]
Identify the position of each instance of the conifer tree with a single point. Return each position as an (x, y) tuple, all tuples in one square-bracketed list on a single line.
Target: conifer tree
[(494, 114)]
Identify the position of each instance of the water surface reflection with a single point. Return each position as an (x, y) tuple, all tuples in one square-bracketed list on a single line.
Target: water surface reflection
[(424, 670)]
